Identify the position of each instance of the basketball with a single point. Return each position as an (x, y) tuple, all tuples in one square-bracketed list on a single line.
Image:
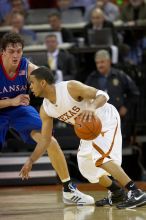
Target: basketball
[(87, 130)]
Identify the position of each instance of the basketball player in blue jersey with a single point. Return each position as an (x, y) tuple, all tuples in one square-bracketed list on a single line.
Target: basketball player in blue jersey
[(96, 158), (16, 113)]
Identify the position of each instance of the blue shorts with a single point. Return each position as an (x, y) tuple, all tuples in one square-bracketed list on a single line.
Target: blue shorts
[(23, 119)]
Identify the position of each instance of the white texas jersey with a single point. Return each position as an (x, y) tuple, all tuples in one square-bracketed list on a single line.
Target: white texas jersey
[(67, 109)]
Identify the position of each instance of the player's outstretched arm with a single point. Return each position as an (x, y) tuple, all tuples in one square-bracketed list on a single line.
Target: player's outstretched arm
[(43, 140)]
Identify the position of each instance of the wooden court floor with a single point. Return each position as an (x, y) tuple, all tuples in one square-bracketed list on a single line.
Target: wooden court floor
[(45, 203)]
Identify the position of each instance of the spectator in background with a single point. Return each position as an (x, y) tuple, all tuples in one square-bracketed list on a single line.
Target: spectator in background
[(55, 23), (134, 13), (82, 3), (71, 4), (111, 10), (17, 24), (69, 12), (121, 88), (5, 8), (98, 22), (10, 7), (60, 61), (63, 5)]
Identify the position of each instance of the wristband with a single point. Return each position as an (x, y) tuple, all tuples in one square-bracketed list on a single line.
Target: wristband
[(100, 92)]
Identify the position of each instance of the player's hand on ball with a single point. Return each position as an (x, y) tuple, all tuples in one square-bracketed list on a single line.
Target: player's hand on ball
[(88, 130), (87, 115), (24, 173)]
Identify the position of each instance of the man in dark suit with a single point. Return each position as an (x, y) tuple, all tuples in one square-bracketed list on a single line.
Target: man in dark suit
[(59, 59), (55, 23)]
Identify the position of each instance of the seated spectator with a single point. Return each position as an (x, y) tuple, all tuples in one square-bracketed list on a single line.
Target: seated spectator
[(121, 88), (17, 24), (98, 22), (69, 12), (63, 5), (72, 4), (59, 60), (134, 13), (55, 23), (82, 3), (111, 10), (5, 8), (13, 6)]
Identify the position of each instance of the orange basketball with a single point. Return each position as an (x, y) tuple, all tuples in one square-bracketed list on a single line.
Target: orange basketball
[(87, 130)]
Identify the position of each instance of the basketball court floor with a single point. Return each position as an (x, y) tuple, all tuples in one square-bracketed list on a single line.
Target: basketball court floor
[(45, 203)]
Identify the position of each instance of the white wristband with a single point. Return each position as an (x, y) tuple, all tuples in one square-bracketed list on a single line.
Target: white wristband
[(100, 92)]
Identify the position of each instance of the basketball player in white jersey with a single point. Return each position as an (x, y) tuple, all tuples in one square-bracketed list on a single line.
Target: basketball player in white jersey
[(99, 157)]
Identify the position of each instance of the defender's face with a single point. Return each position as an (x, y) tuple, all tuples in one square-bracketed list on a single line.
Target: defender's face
[(12, 54), (35, 86)]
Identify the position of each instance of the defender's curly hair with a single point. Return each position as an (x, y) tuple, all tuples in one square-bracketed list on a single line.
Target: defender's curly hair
[(11, 38)]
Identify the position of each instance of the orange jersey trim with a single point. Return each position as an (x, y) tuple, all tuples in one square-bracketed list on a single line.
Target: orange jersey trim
[(104, 155)]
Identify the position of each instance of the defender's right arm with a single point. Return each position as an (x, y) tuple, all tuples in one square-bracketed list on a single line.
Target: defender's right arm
[(22, 99)]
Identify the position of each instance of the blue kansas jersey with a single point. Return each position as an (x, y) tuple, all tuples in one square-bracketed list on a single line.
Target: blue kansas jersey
[(23, 119), (11, 87)]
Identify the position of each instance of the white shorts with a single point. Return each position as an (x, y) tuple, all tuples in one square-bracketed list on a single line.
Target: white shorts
[(107, 146)]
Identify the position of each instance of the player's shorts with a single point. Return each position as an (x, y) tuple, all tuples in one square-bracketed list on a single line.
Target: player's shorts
[(107, 146), (23, 119)]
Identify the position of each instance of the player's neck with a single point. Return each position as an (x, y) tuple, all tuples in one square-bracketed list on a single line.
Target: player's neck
[(51, 94), (10, 69)]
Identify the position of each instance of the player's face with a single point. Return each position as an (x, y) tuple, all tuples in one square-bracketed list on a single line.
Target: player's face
[(35, 86), (103, 65), (12, 54)]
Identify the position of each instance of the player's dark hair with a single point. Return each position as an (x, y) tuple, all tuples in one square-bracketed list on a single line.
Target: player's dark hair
[(11, 38), (44, 73)]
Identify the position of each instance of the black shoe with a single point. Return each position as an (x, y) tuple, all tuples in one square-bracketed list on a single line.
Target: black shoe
[(112, 198), (135, 198)]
